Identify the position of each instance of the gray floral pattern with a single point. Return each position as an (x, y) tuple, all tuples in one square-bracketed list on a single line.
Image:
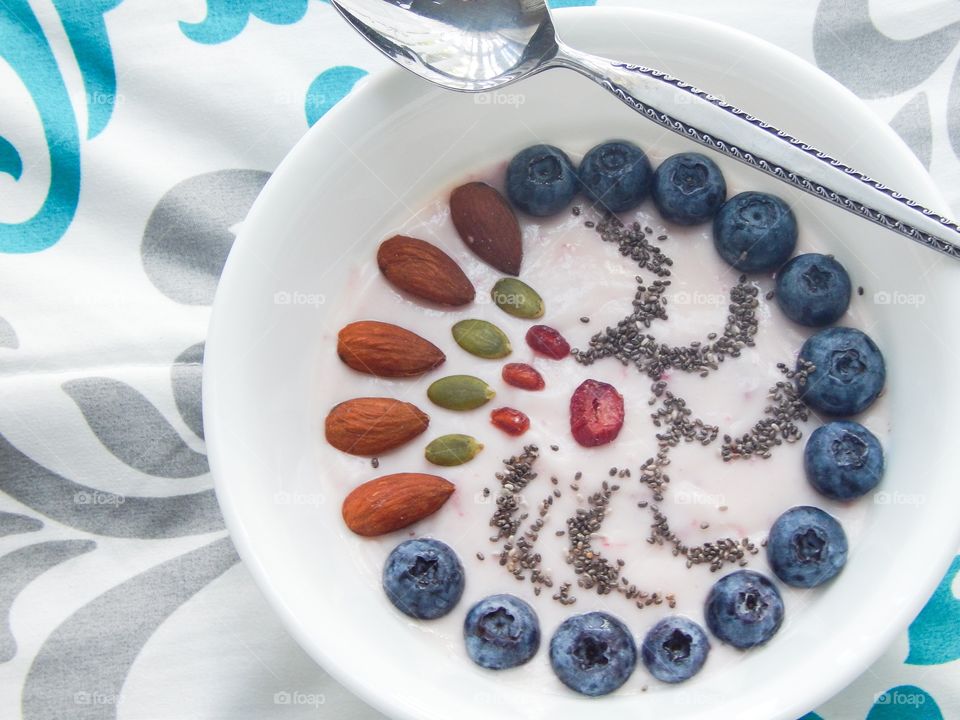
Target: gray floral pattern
[(19, 568), (102, 513), (65, 672), (131, 428), (185, 377), (188, 235)]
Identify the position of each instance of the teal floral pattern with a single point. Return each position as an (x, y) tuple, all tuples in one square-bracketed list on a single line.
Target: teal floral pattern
[(27, 51), (935, 634), (227, 18), (905, 702), (329, 88)]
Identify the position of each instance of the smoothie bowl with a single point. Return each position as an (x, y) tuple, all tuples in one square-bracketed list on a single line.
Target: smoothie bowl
[(634, 498)]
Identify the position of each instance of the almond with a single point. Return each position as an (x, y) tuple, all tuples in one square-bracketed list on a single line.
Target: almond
[(373, 425), (386, 350), (424, 270), (392, 502), (486, 223)]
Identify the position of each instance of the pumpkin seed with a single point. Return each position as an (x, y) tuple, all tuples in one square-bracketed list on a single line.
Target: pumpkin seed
[(517, 298), (449, 450), (481, 338), (460, 392)]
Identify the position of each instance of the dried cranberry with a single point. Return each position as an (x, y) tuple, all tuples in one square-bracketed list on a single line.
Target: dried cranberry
[(512, 422), (596, 413), (547, 341), (522, 376)]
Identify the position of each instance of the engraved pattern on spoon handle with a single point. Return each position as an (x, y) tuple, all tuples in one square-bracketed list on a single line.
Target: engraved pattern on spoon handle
[(902, 215)]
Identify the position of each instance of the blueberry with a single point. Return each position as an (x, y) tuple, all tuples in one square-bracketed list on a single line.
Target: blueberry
[(843, 460), (813, 289), (616, 174), (744, 609), (806, 547), (849, 372), (675, 649), (501, 631), (688, 188), (541, 180), (423, 578), (593, 653), (755, 232)]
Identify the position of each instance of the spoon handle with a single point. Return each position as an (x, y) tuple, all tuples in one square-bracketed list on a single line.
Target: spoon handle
[(714, 123)]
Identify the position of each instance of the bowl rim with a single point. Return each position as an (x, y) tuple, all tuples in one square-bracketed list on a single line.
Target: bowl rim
[(368, 692)]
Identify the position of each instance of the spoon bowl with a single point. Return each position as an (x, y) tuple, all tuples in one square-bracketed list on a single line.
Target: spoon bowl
[(462, 45)]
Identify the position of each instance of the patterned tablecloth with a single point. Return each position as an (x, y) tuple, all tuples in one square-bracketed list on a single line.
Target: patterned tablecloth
[(133, 138)]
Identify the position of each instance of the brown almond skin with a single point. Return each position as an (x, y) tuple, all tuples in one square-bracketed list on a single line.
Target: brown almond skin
[(487, 224), (393, 502), (424, 270), (385, 350), (373, 425)]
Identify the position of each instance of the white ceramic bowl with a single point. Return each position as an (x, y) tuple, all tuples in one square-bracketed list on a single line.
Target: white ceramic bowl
[(386, 150)]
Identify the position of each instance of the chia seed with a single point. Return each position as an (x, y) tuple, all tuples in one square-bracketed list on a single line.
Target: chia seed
[(594, 571), (677, 425), (517, 554), (780, 424), (629, 342), (375, 462), (716, 554)]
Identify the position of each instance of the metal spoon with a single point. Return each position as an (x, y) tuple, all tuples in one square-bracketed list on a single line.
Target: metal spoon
[(479, 45)]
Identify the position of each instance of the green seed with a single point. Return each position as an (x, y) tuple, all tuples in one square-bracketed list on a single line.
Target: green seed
[(517, 298), (481, 338), (449, 450), (460, 392)]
